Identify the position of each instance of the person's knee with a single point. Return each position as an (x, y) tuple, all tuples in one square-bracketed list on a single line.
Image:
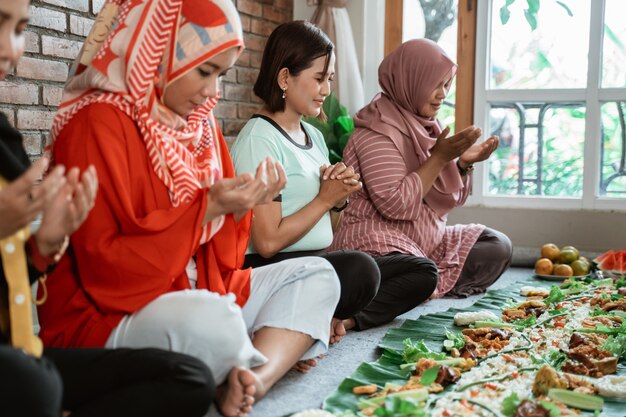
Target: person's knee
[(220, 320), (201, 317), (366, 272), (326, 278), (425, 276), (430, 274), (198, 381), (25, 377), (502, 248)]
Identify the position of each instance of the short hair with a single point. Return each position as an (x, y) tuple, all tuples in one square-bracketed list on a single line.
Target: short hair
[(292, 45)]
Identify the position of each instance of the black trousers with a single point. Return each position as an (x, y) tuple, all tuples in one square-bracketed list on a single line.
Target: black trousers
[(102, 382), (405, 282), (358, 274)]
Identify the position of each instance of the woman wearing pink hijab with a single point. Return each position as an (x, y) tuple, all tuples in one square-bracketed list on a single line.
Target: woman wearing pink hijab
[(413, 175)]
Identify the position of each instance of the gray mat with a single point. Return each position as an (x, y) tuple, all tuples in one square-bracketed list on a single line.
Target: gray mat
[(297, 392)]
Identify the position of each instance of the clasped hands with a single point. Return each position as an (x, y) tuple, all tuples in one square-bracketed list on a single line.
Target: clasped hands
[(63, 200), (464, 147), (239, 194), (337, 183)]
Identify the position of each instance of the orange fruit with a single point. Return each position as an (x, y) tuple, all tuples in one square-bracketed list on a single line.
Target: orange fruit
[(572, 249), (580, 267), (550, 251), (567, 256), (563, 270), (544, 266)]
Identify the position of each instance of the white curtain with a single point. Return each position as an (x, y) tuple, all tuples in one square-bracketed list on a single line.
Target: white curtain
[(332, 17)]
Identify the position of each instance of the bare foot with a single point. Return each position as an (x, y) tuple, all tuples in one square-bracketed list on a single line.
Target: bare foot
[(337, 331), (236, 396), (349, 324)]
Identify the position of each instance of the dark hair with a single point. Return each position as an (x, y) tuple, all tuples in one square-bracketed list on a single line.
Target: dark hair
[(292, 45)]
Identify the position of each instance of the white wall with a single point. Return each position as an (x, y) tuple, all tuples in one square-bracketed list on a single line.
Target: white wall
[(367, 18)]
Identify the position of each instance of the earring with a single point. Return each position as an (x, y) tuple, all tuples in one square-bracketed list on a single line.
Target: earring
[(284, 92)]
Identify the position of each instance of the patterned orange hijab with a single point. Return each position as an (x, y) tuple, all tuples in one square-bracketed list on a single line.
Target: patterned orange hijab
[(135, 50)]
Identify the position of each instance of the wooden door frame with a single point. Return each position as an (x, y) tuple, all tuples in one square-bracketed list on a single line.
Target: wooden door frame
[(393, 24), (466, 60), (466, 53)]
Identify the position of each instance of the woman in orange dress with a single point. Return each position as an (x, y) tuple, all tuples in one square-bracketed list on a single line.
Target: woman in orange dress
[(158, 261)]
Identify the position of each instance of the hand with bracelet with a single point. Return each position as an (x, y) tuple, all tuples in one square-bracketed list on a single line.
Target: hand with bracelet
[(477, 153)]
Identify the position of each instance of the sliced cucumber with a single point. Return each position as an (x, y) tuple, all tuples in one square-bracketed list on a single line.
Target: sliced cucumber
[(576, 399), (495, 324), (448, 344)]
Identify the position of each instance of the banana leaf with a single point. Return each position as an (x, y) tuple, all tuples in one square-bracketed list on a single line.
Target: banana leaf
[(431, 329)]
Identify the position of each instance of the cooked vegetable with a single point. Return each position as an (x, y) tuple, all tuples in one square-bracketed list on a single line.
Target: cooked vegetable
[(365, 389), (495, 324), (576, 399), (417, 395)]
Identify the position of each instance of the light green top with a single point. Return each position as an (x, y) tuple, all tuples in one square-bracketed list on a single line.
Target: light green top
[(259, 139)]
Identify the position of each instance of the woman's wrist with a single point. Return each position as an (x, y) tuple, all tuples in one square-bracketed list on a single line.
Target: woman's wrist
[(340, 207), (464, 167), (44, 254)]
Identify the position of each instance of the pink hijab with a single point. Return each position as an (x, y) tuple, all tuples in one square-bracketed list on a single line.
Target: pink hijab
[(408, 76)]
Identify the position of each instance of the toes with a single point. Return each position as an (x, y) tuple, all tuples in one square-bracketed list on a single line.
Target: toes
[(245, 376), (248, 400), (250, 391)]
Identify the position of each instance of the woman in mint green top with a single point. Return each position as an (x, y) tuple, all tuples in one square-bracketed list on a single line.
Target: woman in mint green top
[(294, 79), (262, 137)]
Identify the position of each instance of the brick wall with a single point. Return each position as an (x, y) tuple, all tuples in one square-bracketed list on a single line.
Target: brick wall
[(29, 97)]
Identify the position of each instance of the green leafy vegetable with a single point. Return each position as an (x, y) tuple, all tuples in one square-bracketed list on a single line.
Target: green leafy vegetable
[(523, 323), (415, 351), (555, 359), (510, 404), (616, 345), (398, 407), (457, 340), (555, 296), (575, 287), (597, 311), (430, 375), (552, 409)]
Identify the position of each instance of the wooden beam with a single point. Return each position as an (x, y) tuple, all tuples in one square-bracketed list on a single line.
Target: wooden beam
[(393, 25), (466, 59)]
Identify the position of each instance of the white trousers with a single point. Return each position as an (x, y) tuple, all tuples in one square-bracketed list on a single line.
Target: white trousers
[(297, 294)]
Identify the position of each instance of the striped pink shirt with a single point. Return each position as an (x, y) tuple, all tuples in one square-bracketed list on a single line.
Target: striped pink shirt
[(389, 215)]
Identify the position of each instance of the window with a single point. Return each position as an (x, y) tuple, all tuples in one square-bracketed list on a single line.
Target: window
[(556, 96)]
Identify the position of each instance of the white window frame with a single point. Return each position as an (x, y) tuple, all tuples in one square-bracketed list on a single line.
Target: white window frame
[(593, 96)]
